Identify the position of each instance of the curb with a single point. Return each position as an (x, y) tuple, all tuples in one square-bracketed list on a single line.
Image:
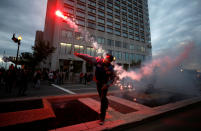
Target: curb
[(157, 116)]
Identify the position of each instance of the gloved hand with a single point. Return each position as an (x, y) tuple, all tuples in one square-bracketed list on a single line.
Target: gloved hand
[(76, 54)]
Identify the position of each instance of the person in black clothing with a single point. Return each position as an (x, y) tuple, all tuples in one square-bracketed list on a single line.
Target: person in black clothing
[(104, 77), (23, 83)]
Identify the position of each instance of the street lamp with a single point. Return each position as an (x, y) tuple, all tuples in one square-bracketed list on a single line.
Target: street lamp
[(17, 40)]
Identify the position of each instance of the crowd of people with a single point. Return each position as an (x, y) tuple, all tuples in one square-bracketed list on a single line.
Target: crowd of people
[(86, 77), (22, 79)]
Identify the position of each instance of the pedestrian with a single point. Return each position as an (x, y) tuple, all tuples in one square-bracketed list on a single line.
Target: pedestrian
[(23, 82), (85, 78), (81, 77), (50, 77), (104, 77), (37, 78)]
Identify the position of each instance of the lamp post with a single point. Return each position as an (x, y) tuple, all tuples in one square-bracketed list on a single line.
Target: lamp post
[(17, 40)]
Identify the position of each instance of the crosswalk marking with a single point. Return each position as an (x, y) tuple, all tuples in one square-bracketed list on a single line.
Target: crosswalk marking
[(61, 88)]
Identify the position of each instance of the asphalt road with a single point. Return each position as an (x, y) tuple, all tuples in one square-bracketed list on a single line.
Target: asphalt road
[(51, 90), (185, 119)]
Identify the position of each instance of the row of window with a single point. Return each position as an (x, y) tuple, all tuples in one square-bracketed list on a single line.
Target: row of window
[(66, 48), (69, 34), (109, 16), (125, 56)]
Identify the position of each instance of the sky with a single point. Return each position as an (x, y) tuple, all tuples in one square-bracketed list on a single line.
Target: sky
[(171, 21)]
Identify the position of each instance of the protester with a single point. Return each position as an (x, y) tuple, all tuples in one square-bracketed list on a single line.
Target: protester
[(104, 74)]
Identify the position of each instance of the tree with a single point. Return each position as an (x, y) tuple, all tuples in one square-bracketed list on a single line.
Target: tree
[(41, 50)]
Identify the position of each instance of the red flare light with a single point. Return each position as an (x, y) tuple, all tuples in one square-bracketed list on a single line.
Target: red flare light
[(60, 14)]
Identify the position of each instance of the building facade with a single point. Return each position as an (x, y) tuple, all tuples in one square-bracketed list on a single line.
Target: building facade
[(121, 27)]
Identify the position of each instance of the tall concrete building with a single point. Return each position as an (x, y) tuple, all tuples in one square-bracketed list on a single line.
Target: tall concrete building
[(121, 27)]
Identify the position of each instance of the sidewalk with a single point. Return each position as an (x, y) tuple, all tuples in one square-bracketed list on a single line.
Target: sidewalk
[(80, 112)]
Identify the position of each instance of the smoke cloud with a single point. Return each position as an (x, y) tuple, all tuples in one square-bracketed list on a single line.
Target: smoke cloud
[(163, 72)]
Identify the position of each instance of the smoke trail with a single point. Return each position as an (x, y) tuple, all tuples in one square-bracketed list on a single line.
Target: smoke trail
[(84, 33), (163, 65)]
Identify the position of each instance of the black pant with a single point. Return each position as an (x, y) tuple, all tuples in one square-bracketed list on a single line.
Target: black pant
[(104, 101)]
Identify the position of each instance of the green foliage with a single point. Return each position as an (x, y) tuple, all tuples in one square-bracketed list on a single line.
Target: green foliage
[(41, 51)]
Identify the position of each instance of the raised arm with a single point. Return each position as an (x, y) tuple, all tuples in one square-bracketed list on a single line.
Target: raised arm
[(88, 58)]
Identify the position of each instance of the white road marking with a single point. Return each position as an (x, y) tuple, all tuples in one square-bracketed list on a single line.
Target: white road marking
[(83, 89), (61, 88)]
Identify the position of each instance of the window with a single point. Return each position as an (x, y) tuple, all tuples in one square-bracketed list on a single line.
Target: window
[(110, 52), (66, 34), (135, 21), (66, 48), (130, 18), (131, 47), (102, 28), (125, 45), (143, 49), (101, 7), (117, 1), (82, 0), (110, 16), (130, 30), (109, 10), (101, 13), (117, 19), (132, 57), (80, 14), (130, 24), (80, 22), (110, 42), (101, 20), (136, 32), (117, 13), (131, 36), (125, 34), (119, 55), (109, 4), (91, 25), (101, 40), (67, 10), (103, 1), (116, 32), (137, 38), (117, 7), (80, 6), (127, 56), (91, 10), (124, 22), (109, 23), (79, 48), (117, 43), (69, 2), (78, 36), (91, 51), (117, 26), (91, 17), (109, 30), (124, 28), (123, 56), (91, 3)]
